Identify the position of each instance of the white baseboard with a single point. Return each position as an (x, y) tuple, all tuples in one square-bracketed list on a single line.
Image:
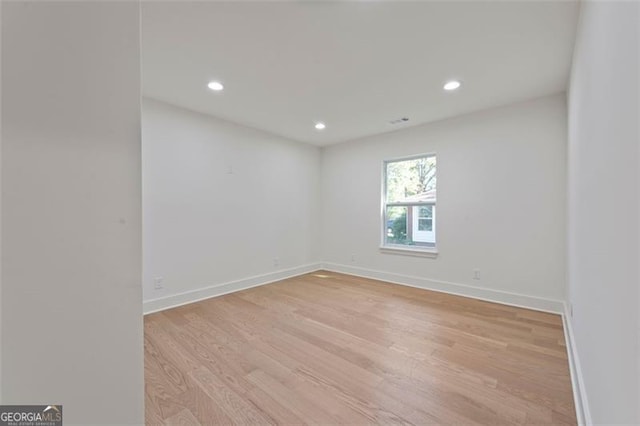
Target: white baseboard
[(583, 414), (497, 296), (174, 300), (489, 295)]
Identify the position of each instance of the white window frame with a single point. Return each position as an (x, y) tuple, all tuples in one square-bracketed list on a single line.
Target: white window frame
[(402, 249)]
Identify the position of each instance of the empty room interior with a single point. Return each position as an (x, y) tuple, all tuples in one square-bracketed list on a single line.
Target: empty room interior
[(321, 212)]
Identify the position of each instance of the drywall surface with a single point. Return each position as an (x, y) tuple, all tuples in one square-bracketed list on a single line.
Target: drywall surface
[(71, 214), (603, 210), (501, 200), (222, 202)]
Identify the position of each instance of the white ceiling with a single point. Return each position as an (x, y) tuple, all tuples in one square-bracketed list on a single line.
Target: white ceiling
[(354, 65)]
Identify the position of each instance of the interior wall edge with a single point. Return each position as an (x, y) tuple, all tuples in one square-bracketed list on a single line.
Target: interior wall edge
[(583, 414)]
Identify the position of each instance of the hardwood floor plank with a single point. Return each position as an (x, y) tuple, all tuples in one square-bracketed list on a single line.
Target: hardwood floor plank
[(302, 406), (277, 411), (328, 348), (183, 418), (332, 398), (204, 409), (236, 406)]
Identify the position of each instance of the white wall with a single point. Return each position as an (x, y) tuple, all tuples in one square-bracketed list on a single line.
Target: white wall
[(71, 214), (222, 201), (603, 209), (501, 201)]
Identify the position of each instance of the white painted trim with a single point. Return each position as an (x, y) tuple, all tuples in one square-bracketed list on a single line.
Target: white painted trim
[(175, 300), (489, 295), (583, 414), (427, 252)]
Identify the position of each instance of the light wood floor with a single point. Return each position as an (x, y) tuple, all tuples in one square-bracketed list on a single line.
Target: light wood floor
[(327, 348)]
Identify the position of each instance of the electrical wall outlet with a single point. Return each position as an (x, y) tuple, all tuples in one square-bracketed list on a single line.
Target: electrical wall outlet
[(476, 274), (276, 262), (158, 283), (353, 257)]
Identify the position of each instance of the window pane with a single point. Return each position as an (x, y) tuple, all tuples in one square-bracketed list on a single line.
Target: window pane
[(426, 211), (425, 225), (396, 226), (411, 180)]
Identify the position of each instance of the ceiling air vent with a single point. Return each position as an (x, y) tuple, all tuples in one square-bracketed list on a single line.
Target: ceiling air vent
[(399, 120)]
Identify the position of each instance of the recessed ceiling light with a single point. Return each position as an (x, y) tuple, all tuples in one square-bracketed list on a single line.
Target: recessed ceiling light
[(451, 85), (320, 126), (215, 85)]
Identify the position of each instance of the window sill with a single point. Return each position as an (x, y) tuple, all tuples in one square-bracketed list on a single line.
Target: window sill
[(418, 252)]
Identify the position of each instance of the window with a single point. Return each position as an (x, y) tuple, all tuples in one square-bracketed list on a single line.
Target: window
[(409, 204)]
